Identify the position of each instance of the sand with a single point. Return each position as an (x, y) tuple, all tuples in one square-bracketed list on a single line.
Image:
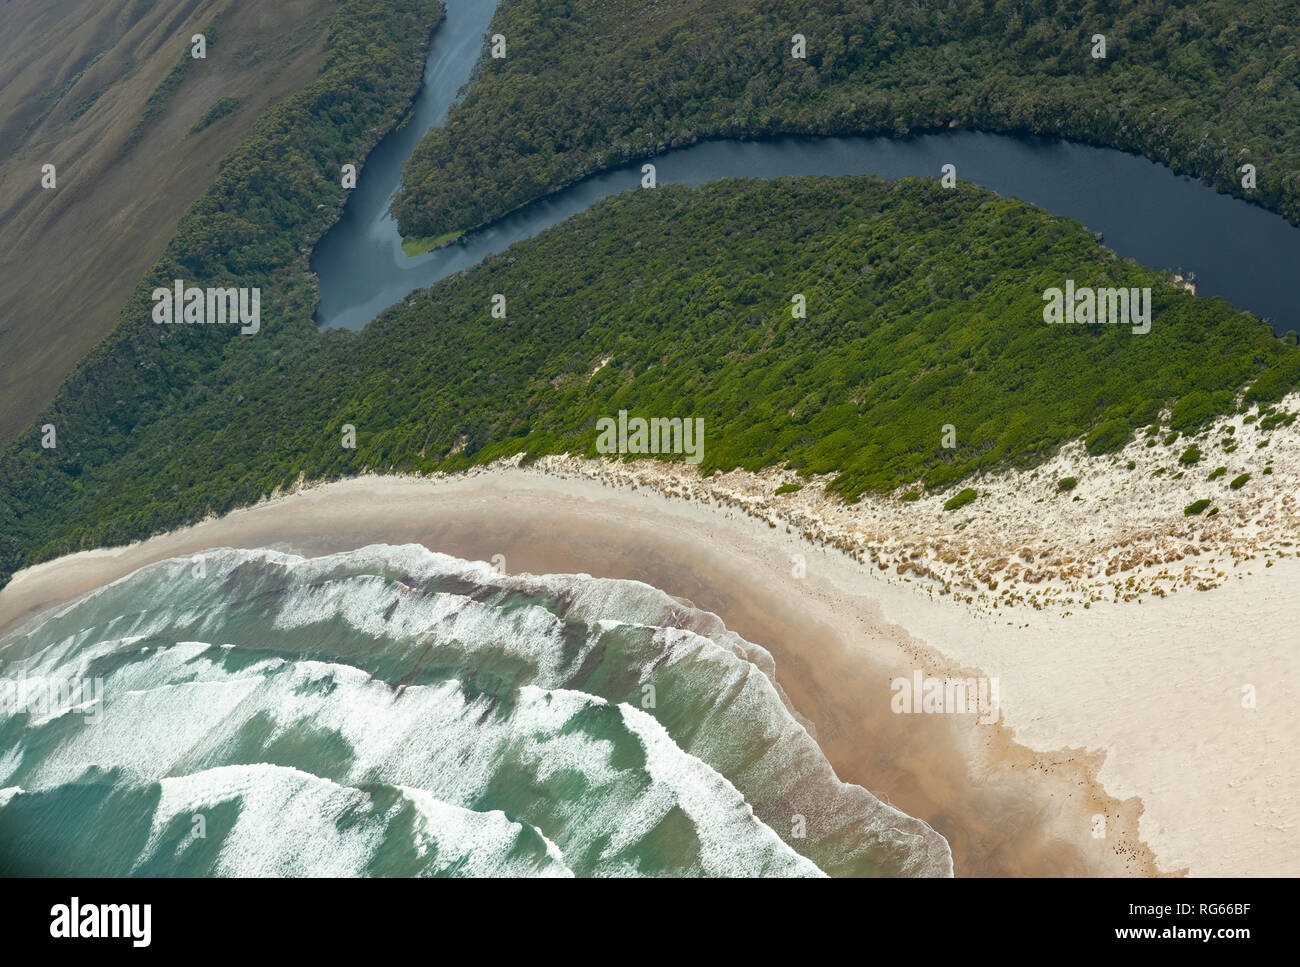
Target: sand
[(1118, 532), (1127, 711)]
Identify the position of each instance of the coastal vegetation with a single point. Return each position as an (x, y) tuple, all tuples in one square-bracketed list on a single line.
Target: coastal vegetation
[(1203, 88), (923, 310), (1109, 436), (960, 499)]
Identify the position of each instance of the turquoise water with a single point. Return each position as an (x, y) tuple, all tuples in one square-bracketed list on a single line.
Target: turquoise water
[(395, 712)]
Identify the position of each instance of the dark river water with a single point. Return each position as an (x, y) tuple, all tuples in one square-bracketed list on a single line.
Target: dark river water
[(1234, 249)]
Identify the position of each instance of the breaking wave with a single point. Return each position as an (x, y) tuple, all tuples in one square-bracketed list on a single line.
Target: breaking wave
[(396, 712)]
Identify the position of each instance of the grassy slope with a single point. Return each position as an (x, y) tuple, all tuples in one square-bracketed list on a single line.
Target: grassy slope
[(587, 84), (79, 80), (274, 196), (924, 309)]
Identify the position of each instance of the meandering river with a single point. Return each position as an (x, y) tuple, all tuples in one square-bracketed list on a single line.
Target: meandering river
[(1234, 249)]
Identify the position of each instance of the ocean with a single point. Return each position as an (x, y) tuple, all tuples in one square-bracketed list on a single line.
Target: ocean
[(392, 711)]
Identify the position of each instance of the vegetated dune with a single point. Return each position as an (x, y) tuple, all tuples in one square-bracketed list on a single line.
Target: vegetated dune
[(924, 311), (107, 92)]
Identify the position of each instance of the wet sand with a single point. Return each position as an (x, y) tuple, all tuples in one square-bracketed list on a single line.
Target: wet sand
[(1005, 809)]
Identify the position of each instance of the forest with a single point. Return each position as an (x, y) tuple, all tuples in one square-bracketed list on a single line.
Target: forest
[(1202, 87)]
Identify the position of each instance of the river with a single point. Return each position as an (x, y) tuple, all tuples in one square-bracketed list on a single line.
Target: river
[(1234, 249)]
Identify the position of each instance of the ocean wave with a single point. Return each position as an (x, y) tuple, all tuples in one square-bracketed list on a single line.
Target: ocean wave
[(556, 724)]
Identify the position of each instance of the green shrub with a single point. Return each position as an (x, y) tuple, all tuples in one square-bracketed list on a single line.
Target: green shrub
[(1108, 437), (1275, 382), (1239, 482), (1196, 506), (1066, 483), (788, 488), (911, 495), (1190, 456), (961, 499), (1274, 420), (1196, 408), (1216, 473)]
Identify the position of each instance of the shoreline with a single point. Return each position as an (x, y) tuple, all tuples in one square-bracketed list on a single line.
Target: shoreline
[(1017, 798)]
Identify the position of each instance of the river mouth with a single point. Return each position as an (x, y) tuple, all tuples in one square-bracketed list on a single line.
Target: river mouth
[(1232, 248)]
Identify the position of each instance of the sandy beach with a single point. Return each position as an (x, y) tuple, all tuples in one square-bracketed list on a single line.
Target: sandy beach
[(1123, 748)]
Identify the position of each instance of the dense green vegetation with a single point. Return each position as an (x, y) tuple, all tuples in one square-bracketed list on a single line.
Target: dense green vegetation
[(1199, 86), (1109, 436), (924, 308)]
